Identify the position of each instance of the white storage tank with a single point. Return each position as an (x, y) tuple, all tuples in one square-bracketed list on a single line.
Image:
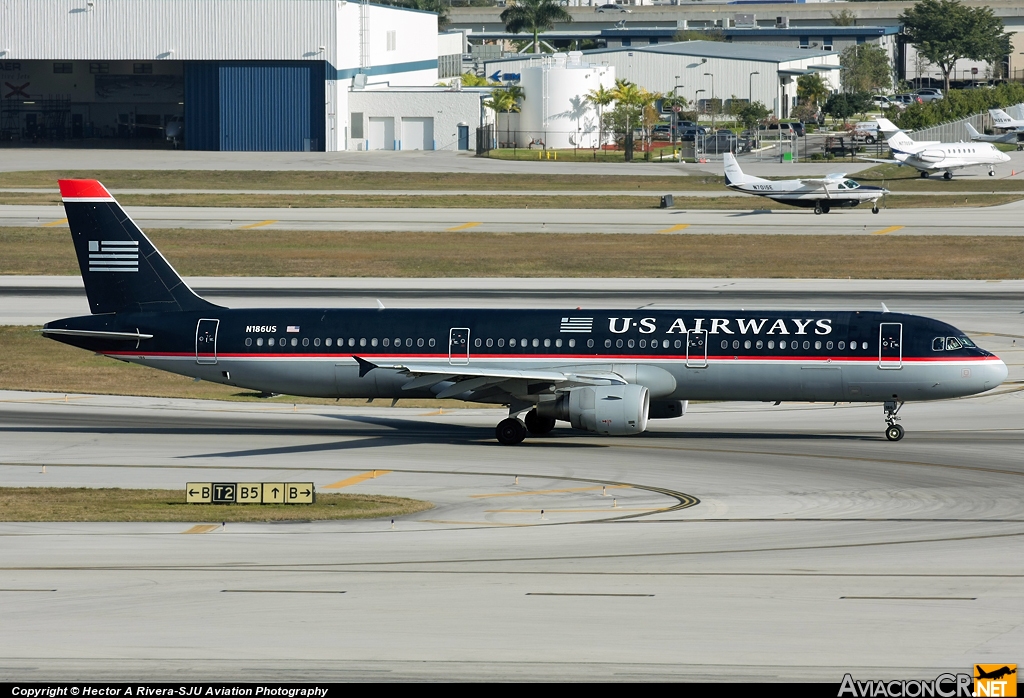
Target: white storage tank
[(555, 110)]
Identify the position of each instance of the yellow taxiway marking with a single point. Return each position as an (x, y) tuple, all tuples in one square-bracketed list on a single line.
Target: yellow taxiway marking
[(520, 494), (674, 228), (890, 229), (51, 224), (356, 479), (257, 225), (202, 528), (465, 226), (569, 511)]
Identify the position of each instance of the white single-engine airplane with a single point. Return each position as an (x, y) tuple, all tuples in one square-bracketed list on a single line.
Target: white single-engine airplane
[(1011, 137), (823, 194), (933, 156)]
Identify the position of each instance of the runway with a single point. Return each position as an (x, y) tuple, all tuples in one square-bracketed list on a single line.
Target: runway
[(741, 542), (996, 220)]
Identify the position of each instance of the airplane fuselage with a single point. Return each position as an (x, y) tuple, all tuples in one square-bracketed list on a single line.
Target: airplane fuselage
[(678, 355)]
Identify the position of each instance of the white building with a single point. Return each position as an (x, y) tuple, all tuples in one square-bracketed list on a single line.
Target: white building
[(241, 74), (705, 70)]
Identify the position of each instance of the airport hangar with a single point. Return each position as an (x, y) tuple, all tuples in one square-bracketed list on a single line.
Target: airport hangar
[(262, 75), (705, 70)]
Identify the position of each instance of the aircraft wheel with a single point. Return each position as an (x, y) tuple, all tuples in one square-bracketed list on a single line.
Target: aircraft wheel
[(894, 432), (817, 209), (947, 175), (825, 208), (924, 175), (538, 425), (510, 432), (874, 209), (991, 173)]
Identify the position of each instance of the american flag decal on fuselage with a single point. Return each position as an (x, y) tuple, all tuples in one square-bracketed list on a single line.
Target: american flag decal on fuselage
[(113, 255), (577, 324)]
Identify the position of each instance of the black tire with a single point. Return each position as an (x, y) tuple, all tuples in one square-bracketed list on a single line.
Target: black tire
[(538, 425), (991, 173), (510, 432), (870, 140), (817, 209), (894, 432), (947, 175), (924, 175), (825, 208), (874, 209)]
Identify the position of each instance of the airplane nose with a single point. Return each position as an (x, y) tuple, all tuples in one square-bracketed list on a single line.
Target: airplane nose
[(995, 373), (1005, 157)]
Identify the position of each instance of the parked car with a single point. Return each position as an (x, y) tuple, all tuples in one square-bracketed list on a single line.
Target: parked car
[(723, 143), (782, 129), (882, 102), (906, 100), (798, 128), (612, 7), (929, 94), (690, 133), (662, 132)]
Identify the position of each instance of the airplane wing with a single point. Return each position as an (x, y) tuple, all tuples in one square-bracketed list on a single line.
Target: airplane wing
[(881, 160), (471, 379)]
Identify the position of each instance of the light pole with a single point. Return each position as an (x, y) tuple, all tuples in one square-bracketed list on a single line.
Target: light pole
[(750, 99), (696, 130), (675, 120), (712, 76)]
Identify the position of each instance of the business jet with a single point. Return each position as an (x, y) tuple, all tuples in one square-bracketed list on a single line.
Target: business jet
[(1002, 120), (602, 371), (832, 191), (933, 156), (1012, 137)]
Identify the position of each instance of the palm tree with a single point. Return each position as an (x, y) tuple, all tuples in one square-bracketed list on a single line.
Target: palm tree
[(812, 88), (601, 98), (533, 15), (505, 99)]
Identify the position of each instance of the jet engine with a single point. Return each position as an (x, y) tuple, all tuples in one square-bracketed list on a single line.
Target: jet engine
[(616, 410)]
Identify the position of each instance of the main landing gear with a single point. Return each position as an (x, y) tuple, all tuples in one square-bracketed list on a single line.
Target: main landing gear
[(893, 431), (947, 175), (992, 172), (820, 208), (924, 175), (511, 431)]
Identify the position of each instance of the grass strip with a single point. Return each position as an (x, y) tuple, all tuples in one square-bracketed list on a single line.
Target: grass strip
[(79, 504), (499, 202), (29, 361), (271, 252)]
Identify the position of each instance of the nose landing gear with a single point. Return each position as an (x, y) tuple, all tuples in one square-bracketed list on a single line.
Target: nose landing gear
[(893, 431)]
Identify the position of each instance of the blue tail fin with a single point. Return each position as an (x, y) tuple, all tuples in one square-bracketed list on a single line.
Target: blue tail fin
[(121, 268)]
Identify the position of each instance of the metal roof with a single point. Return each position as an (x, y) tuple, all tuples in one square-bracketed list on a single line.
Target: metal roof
[(720, 49)]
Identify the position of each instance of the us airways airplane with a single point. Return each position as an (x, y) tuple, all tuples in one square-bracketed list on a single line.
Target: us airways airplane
[(602, 371), (821, 194), (933, 156)]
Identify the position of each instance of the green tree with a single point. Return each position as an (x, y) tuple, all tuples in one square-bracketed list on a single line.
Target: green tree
[(845, 18), (474, 80), (838, 107), (944, 31), (505, 99), (534, 16), (752, 114), (601, 98), (699, 35), (866, 68), (812, 88)]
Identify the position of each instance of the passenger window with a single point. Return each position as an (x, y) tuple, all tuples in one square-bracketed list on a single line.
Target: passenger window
[(782, 344), (953, 343), (807, 345), (386, 341), (558, 342), (630, 343), (476, 342), (735, 344), (759, 345), (283, 341), (373, 342), (725, 344), (828, 345), (408, 341), (608, 343), (678, 344), (398, 341), (501, 342), (643, 343), (362, 341), (939, 344), (771, 343), (351, 341), (316, 342), (512, 342), (430, 342), (547, 342), (523, 342), (270, 342), (305, 342), (419, 342), (248, 341), (259, 341), (841, 345), (618, 343), (490, 342), (328, 342), (295, 341)]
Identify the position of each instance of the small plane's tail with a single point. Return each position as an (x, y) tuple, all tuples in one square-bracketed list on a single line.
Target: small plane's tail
[(733, 173), (1000, 118), (897, 139), (887, 127), (121, 268), (973, 132)]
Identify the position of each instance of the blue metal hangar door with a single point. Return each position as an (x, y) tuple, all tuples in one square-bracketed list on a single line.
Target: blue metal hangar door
[(255, 105)]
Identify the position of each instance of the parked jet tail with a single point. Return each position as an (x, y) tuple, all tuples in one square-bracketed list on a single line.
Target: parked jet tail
[(734, 175), (121, 268), (972, 132), (999, 117)]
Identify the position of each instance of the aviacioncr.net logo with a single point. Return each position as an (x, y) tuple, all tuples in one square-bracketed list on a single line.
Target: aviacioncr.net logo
[(942, 686)]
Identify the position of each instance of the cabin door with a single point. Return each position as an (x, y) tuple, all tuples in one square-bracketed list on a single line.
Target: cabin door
[(206, 341), (458, 346), (696, 348), (890, 345)]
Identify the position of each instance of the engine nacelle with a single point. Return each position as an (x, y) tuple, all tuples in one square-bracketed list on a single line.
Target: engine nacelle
[(616, 410), (667, 409)]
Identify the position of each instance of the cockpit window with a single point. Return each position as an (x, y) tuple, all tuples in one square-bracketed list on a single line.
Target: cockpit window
[(953, 343), (966, 342), (939, 344), (850, 184)]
